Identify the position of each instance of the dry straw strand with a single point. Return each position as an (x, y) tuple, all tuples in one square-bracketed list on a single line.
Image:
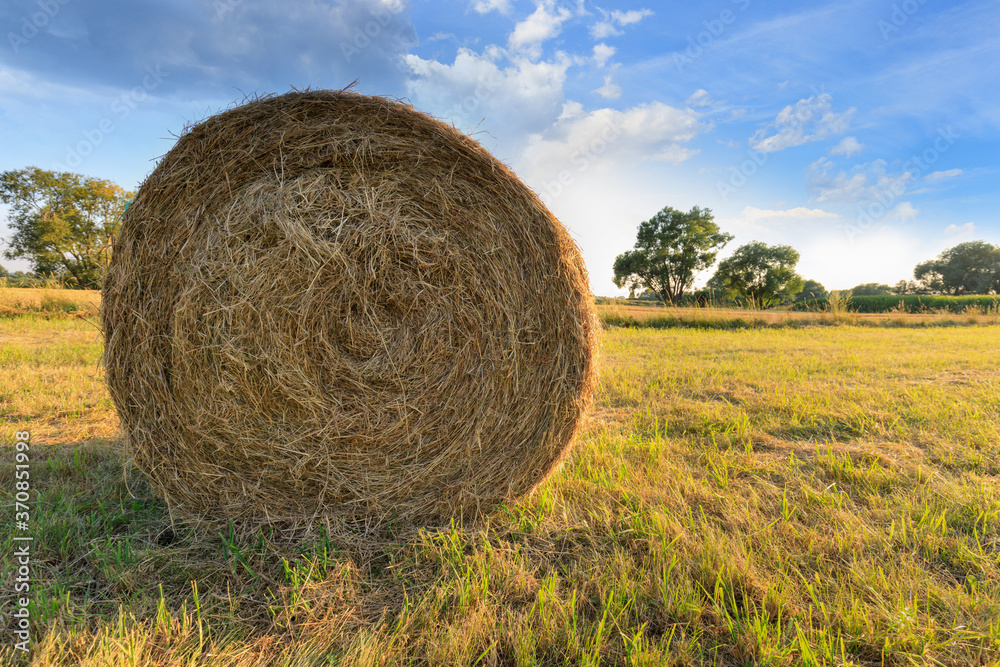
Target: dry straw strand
[(329, 306)]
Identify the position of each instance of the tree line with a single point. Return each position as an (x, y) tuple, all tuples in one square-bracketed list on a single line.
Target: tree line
[(672, 247), (64, 224)]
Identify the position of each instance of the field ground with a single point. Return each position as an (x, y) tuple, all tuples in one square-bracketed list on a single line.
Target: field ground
[(775, 496)]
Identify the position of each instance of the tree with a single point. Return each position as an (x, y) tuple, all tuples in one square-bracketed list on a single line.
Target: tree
[(670, 248), (904, 287), (63, 223), (812, 290), (870, 289), (762, 275), (972, 267)]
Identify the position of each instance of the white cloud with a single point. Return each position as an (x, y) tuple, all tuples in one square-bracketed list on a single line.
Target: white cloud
[(616, 19), (960, 232), (478, 85), (847, 147), (810, 119), (540, 26), (486, 6), (700, 98), (797, 213), (903, 212), (604, 29), (607, 138), (571, 110), (863, 183), (763, 223), (942, 175), (602, 53), (631, 16), (609, 90)]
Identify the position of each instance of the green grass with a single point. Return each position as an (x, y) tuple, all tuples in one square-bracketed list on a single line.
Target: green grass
[(818, 496)]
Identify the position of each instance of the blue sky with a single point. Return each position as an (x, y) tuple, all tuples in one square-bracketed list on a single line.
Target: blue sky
[(865, 134)]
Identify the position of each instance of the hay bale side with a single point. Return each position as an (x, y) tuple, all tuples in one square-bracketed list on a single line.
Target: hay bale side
[(329, 305)]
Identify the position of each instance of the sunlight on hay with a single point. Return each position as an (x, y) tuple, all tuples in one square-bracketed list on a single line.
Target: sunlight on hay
[(325, 305)]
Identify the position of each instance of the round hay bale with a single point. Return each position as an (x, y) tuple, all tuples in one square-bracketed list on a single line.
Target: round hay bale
[(329, 305)]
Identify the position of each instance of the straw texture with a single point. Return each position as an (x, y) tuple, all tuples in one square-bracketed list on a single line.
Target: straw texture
[(326, 305)]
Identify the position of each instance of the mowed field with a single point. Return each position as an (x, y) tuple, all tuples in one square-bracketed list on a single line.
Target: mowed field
[(825, 495)]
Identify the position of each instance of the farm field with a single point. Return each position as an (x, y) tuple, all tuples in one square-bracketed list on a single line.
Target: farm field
[(825, 495)]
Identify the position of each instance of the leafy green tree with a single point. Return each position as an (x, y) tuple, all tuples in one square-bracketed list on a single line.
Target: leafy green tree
[(63, 223), (870, 289), (670, 249), (812, 289), (760, 274), (972, 267)]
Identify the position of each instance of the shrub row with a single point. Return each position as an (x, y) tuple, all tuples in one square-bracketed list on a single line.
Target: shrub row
[(910, 303)]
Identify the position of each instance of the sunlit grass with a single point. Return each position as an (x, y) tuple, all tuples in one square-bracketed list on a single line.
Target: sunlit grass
[(814, 496), (51, 302), (50, 378)]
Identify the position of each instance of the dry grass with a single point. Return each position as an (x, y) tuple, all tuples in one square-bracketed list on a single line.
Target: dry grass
[(49, 302), (52, 379), (329, 306)]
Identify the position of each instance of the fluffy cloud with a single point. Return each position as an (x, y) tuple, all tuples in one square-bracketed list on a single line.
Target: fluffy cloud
[(960, 232), (607, 138), (486, 6), (610, 25), (903, 212), (863, 183), (602, 53), (810, 119), (543, 24), (847, 147), (609, 90), (482, 85)]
